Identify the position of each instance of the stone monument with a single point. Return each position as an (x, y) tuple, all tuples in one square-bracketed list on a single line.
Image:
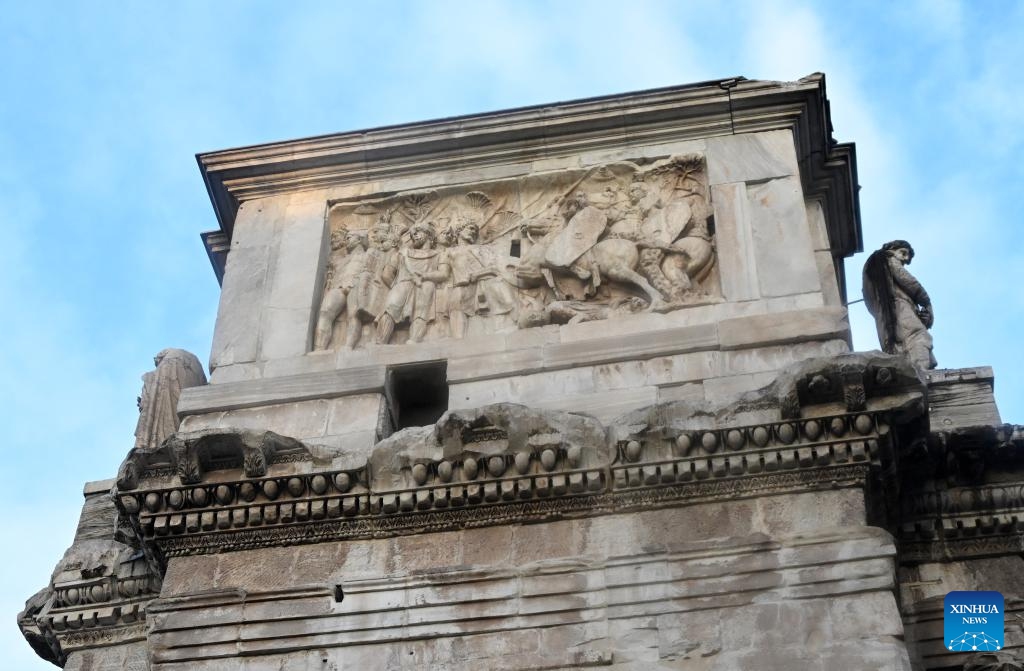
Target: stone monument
[(558, 387)]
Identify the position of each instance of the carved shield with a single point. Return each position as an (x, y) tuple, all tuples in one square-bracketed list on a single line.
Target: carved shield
[(676, 217), (576, 238)]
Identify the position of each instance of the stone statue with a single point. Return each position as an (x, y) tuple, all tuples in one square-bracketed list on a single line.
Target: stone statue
[(176, 369), (899, 304), (341, 278), (417, 270)]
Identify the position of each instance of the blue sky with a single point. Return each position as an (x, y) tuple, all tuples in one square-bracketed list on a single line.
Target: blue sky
[(104, 105)]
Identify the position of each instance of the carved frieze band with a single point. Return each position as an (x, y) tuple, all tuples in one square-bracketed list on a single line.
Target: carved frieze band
[(556, 248), (544, 481), (963, 522), (94, 638)]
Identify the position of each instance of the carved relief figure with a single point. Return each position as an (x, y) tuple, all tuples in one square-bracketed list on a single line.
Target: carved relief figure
[(600, 235), (341, 277), (175, 370), (417, 270), (900, 305), (479, 285), (575, 312), (372, 282)]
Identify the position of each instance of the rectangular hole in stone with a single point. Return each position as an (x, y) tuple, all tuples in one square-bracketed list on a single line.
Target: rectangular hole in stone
[(514, 249), (417, 394)]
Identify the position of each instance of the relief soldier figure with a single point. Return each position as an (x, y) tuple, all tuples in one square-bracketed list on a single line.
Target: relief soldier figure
[(900, 305), (417, 270), (342, 276), (478, 283), (374, 278)]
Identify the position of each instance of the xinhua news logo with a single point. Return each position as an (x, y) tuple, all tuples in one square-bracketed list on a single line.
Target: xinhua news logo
[(973, 621)]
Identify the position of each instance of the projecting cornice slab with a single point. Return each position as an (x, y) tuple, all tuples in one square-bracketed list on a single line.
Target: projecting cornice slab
[(707, 109)]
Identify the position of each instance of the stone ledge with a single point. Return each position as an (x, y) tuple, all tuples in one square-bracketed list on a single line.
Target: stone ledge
[(782, 328), (813, 324), (98, 487), (953, 375), (249, 394)]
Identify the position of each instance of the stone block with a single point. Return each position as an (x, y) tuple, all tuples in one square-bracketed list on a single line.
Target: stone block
[(777, 357), (496, 364), (734, 242), (257, 223), (721, 390), (829, 279), (632, 346), (426, 551), (751, 157), (346, 450), (313, 362), (350, 414), (633, 151), (556, 384), (604, 405), (237, 372), (960, 402), (284, 332), (692, 392), (487, 547), (625, 325), (97, 487), (780, 328), (781, 239), (533, 337), (672, 370), (234, 395), (302, 420), (620, 375), (209, 420), (543, 542), (242, 297), (818, 228), (479, 393), (691, 636), (186, 575)]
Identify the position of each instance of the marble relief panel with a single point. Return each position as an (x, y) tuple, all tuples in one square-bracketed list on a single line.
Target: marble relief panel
[(555, 248)]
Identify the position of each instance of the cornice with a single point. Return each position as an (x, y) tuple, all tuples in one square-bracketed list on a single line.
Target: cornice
[(702, 110), (548, 481)]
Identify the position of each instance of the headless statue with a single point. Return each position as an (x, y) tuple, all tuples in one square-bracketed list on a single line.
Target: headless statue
[(176, 369)]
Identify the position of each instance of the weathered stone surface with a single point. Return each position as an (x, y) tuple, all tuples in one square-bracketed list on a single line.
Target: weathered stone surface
[(784, 327), (735, 242), (240, 313), (781, 238), (827, 275), (235, 395), (751, 157), (484, 435), (962, 398)]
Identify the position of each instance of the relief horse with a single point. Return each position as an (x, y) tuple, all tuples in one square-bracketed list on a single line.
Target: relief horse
[(613, 258)]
